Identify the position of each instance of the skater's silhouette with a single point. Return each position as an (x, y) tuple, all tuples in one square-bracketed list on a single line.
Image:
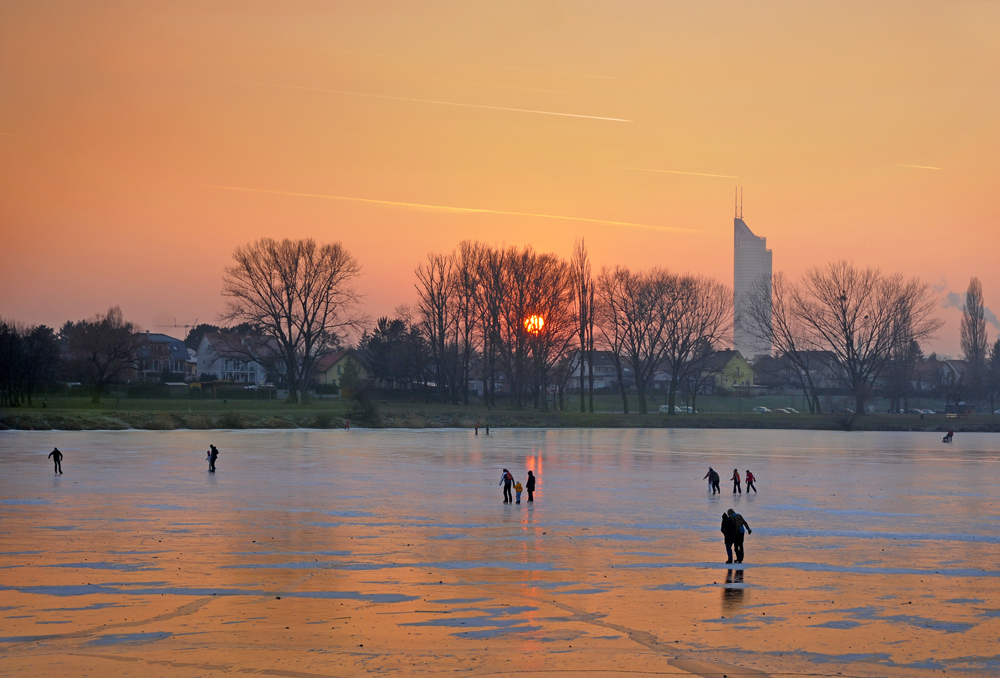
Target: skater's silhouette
[(213, 454), (530, 487), (736, 482), (750, 479), (56, 456), (506, 479), (713, 480)]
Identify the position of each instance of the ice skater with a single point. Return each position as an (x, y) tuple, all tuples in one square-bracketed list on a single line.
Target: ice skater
[(530, 487), (742, 526), (713, 480), (477, 428), (213, 454), (736, 481), (517, 490), (729, 532), (948, 437), (750, 486), (56, 456), (506, 479)]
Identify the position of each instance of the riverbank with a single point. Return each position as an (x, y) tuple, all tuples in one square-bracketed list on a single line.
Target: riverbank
[(167, 415)]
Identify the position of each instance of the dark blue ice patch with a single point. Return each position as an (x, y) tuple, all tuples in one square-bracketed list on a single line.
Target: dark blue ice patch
[(165, 507), (130, 638), (348, 514), (57, 528), (677, 587), (839, 624), (448, 536), (20, 553), (121, 567), (290, 553), (960, 601), (25, 502)]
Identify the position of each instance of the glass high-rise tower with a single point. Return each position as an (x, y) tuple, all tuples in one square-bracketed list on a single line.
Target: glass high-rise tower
[(751, 263)]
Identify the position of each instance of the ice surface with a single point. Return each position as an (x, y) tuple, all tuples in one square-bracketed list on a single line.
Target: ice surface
[(344, 553)]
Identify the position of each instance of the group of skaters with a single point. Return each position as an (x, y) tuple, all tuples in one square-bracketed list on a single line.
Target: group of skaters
[(734, 526), (713, 481), (508, 482)]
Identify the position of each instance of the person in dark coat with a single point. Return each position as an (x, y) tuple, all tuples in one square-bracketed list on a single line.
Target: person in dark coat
[(530, 487), (713, 480), (506, 479), (741, 526), (736, 482), (729, 532), (213, 454), (56, 456)]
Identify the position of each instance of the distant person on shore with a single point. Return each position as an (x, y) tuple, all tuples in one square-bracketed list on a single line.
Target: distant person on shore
[(530, 486), (713, 480), (56, 456), (742, 528), (948, 437), (729, 532), (506, 479), (750, 486), (213, 454), (736, 481), (518, 489)]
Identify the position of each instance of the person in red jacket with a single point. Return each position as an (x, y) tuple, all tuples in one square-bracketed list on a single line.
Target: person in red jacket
[(736, 482), (749, 478)]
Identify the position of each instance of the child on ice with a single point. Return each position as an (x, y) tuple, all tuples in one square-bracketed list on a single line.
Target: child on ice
[(518, 488)]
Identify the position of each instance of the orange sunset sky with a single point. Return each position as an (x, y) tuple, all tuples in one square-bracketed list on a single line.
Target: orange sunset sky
[(861, 130)]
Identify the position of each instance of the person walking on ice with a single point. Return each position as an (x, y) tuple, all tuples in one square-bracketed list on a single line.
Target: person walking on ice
[(736, 482), (506, 479), (741, 525), (530, 487), (56, 456), (518, 489), (713, 480), (749, 478), (213, 454)]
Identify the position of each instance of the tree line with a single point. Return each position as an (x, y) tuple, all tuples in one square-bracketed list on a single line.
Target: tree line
[(521, 323)]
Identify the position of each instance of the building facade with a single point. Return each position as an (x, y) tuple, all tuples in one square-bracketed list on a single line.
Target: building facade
[(751, 266)]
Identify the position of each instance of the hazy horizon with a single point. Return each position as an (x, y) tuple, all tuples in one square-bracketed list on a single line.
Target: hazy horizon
[(141, 145)]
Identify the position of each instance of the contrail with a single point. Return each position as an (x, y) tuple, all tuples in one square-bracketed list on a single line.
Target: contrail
[(379, 54), (444, 208), (424, 101), (491, 84), (695, 174), (8, 134), (922, 167)]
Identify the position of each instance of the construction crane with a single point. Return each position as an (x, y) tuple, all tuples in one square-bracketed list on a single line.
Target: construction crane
[(186, 326)]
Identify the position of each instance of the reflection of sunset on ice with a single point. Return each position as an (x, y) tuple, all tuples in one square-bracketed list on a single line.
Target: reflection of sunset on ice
[(332, 554)]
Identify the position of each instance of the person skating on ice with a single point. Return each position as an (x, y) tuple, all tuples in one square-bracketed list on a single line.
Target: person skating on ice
[(742, 526), (530, 487), (749, 479), (736, 482), (506, 479), (56, 456)]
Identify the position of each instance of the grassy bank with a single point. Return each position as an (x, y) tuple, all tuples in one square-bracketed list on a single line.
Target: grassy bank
[(79, 414)]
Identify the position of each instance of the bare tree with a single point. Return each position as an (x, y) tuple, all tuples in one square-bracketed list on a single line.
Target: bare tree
[(435, 282), (298, 293), (860, 317), (583, 295), (550, 289), (701, 310), (640, 307), (768, 315), (102, 348), (613, 321), (465, 284), (975, 342)]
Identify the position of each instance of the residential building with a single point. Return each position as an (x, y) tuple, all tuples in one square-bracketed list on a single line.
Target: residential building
[(751, 267), (162, 358), (239, 359), (605, 374), (729, 370), (330, 367)]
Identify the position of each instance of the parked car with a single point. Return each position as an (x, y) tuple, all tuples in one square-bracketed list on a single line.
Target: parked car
[(926, 411), (996, 411), (760, 409), (790, 410)]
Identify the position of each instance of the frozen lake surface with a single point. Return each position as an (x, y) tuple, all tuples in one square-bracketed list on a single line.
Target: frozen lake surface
[(336, 553)]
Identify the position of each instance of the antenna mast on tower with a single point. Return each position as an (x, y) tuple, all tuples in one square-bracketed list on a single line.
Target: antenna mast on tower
[(739, 203)]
